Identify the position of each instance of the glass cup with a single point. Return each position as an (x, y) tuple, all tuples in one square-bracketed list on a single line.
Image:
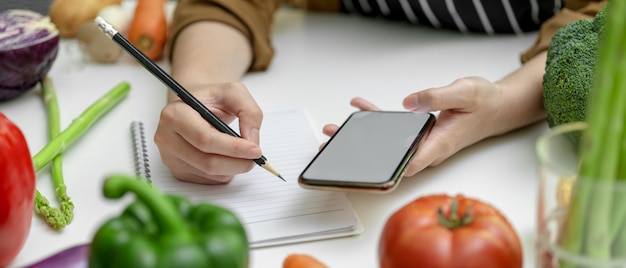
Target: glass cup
[(595, 211)]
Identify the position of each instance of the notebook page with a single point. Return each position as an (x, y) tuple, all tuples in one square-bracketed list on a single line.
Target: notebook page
[(272, 211)]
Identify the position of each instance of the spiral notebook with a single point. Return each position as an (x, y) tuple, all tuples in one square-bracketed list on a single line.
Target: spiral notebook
[(273, 212)]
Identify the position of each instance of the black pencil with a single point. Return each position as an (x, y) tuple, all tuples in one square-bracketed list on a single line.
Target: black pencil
[(182, 93)]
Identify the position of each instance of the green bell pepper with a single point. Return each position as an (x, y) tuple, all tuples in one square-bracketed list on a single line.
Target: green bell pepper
[(159, 230)]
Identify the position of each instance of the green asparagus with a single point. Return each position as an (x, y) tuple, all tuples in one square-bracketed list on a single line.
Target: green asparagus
[(80, 125), (61, 217), (59, 141)]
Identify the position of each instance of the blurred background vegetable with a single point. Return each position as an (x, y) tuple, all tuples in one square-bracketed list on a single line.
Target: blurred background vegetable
[(148, 28), (69, 15), (159, 230), (17, 190), (302, 261), (441, 231), (117, 16), (98, 47), (596, 217), (72, 257), (28, 47)]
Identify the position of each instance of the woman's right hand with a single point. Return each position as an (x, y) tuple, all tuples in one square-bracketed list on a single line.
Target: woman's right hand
[(194, 150)]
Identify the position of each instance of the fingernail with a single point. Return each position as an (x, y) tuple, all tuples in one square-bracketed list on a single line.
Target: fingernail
[(412, 104), (421, 109), (253, 135)]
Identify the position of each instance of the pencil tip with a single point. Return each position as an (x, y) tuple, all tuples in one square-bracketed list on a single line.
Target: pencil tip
[(271, 169)]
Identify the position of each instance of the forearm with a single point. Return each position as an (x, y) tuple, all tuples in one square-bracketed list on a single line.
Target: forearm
[(210, 52), (523, 92)]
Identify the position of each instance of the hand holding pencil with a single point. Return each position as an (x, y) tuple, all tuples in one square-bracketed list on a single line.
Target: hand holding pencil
[(191, 138), (195, 151)]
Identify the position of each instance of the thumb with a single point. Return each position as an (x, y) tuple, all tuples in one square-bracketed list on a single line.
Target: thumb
[(249, 127), (460, 94), (237, 100)]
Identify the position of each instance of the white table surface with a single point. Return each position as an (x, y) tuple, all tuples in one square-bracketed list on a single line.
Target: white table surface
[(322, 61)]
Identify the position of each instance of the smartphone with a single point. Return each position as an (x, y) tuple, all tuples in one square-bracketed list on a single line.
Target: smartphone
[(370, 151)]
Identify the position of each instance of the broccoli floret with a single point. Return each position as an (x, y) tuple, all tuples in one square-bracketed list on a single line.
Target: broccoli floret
[(599, 21), (570, 67)]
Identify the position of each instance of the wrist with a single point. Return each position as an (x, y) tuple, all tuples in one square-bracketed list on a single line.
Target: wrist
[(208, 52)]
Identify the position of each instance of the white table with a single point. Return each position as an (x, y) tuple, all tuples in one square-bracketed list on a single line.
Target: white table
[(322, 61)]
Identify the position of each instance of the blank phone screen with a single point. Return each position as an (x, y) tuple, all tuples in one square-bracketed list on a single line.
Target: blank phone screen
[(369, 148)]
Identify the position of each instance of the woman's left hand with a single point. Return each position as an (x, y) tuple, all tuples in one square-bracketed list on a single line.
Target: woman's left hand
[(471, 109)]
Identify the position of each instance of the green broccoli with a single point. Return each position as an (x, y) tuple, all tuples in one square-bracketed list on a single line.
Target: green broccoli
[(570, 66)]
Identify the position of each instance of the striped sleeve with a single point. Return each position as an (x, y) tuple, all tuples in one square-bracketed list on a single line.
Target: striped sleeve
[(487, 16)]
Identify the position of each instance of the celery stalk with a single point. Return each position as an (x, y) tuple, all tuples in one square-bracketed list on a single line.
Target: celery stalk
[(607, 112), (573, 236), (606, 164), (618, 220), (619, 245), (600, 152)]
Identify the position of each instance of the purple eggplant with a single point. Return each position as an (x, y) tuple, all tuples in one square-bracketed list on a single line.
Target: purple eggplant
[(73, 257)]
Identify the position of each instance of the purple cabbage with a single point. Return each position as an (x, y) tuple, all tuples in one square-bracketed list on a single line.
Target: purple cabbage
[(29, 43)]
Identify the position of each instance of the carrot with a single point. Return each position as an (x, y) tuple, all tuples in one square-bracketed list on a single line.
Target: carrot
[(302, 261), (148, 28)]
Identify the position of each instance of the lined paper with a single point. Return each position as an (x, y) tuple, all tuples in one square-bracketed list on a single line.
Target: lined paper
[(272, 211)]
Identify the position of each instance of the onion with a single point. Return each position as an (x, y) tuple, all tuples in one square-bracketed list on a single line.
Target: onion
[(28, 47)]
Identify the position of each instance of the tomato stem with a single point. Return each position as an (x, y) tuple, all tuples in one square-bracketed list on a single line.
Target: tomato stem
[(453, 221)]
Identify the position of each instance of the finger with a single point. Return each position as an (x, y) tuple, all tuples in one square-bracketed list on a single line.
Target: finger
[(363, 104), (330, 129), (319, 148), (216, 171), (424, 157), (185, 172), (238, 101), (196, 131), (461, 94), (432, 151), (187, 162)]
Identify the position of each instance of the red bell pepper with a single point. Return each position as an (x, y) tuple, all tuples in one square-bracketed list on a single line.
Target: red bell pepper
[(17, 190)]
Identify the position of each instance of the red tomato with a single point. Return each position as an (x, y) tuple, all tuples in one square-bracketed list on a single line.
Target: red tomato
[(442, 231), (17, 190)]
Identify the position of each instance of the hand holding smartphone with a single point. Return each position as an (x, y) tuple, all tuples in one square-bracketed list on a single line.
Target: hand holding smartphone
[(370, 151)]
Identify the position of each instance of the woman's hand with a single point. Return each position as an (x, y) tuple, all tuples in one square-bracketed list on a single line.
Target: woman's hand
[(194, 150), (471, 109)]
